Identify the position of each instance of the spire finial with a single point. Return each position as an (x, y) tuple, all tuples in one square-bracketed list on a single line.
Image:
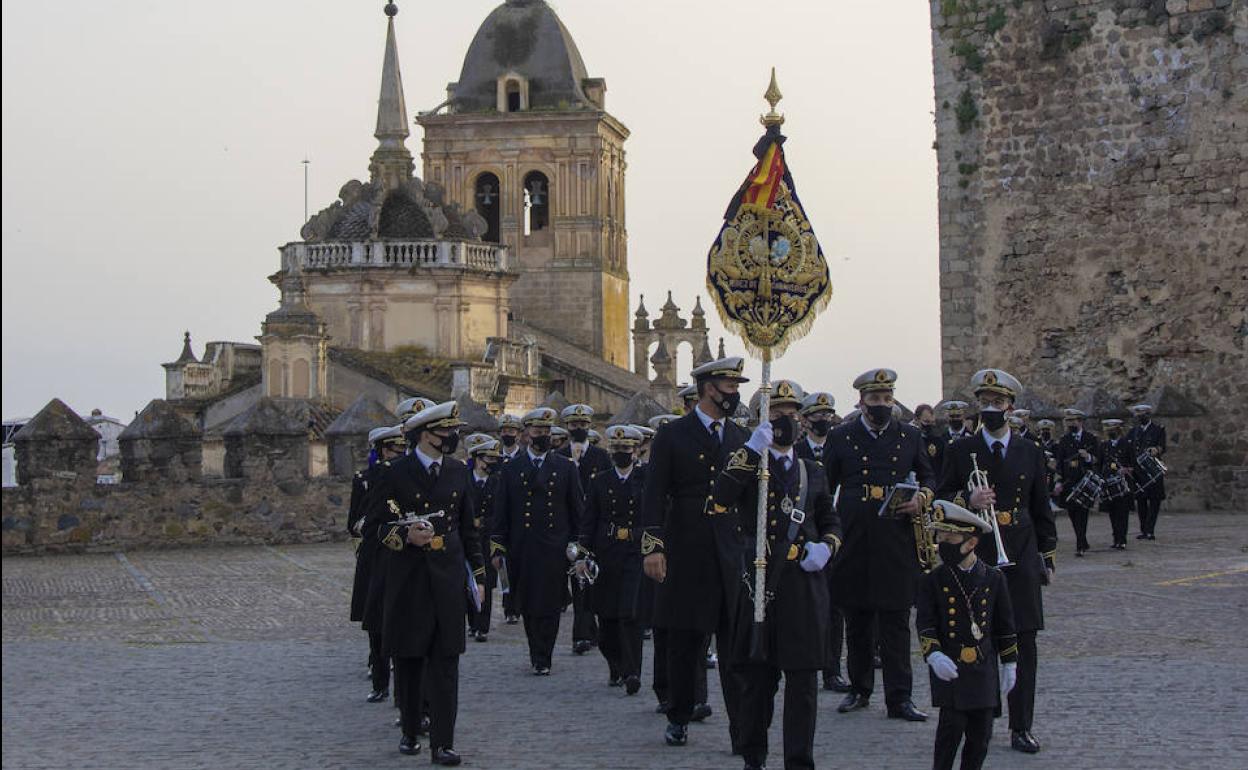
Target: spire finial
[(391, 10), (391, 162), (773, 97)]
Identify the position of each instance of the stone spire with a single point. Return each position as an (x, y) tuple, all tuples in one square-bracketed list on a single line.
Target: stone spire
[(721, 353), (188, 355), (391, 164)]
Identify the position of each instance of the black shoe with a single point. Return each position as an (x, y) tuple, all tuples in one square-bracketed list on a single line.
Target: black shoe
[(712, 661), (876, 662), (676, 735), (541, 671), (1021, 740), (835, 683), (854, 702), (1141, 536), (646, 634), (615, 681), (582, 646), (748, 766), (906, 711), (409, 745), (1150, 537), (445, 757), (398, 721), (700, 712), (481, 636), (662, 707), (1079, 553), (377, 696), (632, 685), (424, 726), (512, 620)]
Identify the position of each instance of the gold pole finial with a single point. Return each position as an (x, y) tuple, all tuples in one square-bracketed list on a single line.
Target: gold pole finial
[(773, 97)]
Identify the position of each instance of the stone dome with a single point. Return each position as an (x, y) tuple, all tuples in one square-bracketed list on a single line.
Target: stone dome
[(526, 37)]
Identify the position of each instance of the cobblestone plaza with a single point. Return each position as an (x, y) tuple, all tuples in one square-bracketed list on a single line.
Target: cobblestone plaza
[(243, 657)]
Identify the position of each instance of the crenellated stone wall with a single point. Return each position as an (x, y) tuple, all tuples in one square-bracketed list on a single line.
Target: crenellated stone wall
[(1093, 191)]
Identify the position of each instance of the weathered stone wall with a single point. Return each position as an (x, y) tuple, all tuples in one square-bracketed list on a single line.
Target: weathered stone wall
[(52, 514), (1094, 208)]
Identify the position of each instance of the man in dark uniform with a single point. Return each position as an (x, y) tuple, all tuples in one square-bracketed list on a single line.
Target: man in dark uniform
[(537, 518), (483, 461), (965, 626), (1047, 441), (589, 461), (802, 534), (1149, 437), (385, 443), (647, 438), (510, 429), (874, 577), (1117, 462), (424, 516), (1018, 491), (696, 554), (611, 539), (934, 443), (1024, 427), (956, 414), (1077, 453), (688, 396), (819, 418)]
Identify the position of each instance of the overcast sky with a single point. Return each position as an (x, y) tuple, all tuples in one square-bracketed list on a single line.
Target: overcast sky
[(152, 166)]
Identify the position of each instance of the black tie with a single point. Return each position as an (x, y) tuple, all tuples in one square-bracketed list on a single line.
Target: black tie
[(998, 450), (818, 450), (537, 463), (433, 471), (784, 464), (715, 426)]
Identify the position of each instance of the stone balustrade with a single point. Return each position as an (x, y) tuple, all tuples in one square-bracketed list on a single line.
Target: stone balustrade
[(462, 255)]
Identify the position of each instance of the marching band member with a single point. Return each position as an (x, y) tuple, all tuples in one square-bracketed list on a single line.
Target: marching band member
[(965, 627), (1076, 455), (483, 460), (1018, 493), (589, 461), (1117, 459), (1148, 436)]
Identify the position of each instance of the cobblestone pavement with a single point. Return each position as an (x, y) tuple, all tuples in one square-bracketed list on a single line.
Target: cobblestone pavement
[(243, 657)]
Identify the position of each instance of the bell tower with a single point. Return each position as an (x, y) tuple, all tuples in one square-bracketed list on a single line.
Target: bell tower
[(525, 140)]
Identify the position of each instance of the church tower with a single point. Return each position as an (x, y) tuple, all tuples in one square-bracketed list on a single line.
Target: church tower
[(525, 140)]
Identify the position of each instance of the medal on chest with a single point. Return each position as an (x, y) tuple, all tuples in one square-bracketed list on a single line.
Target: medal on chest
[(786, 505)]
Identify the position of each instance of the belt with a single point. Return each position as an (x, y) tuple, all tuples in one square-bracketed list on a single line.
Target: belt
[(619, 533), (438, 543), (874, 492), (793, 553), (969, 654), (1012, 517)]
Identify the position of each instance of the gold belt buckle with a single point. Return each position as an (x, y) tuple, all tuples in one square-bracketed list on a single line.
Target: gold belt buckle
[(874, 491), (793, 552), (969, 654), (1005, 518), (437, 543), (622, 533)]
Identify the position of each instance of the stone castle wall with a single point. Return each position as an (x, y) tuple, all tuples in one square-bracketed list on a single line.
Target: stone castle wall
[(1094, 210)]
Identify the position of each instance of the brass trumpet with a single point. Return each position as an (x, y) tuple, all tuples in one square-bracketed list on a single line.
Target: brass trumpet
[(979, 480), (925, 539)]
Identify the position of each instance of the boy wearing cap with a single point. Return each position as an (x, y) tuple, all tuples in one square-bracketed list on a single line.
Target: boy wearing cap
[(483, 461), (589, 461), (1117, 459), (1148, 436), (610, 536), (1077, 453), (965, 627)]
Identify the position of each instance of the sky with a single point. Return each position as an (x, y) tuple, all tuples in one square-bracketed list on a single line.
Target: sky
[(152, 166)]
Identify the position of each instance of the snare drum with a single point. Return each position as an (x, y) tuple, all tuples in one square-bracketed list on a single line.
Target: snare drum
[(1086, 493), (1115, 487), (1149, 470)]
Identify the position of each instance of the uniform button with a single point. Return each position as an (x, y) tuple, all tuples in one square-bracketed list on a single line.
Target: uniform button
[(952, 624), (952, 635), (953, 611), (773, 522), (952, 600), (864, 471), (864, 458)]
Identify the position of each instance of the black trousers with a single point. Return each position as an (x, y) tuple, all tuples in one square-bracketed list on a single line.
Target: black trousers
[(480, 621), (542, 631), (686, 662), (659, 665), (584, 626), (758, 700), (975, 725), (1148, 508), (620, 643), (836, 641), (1079, 521), (1022, 698), (894, 631), (509, 605), (438, 678), (1119, 515), (379, 663)]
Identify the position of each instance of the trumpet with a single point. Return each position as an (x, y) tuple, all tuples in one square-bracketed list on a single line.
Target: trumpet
[(925, 539), (979, 480)]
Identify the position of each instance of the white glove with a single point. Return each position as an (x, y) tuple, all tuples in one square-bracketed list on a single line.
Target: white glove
[(761, 438), (1008, 676), (817, 555), (359, 526), (943, 666), (572, 552)]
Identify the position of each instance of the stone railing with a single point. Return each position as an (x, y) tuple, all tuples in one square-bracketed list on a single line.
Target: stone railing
[(460, 255)]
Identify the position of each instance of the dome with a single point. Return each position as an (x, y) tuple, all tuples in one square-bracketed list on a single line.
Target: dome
[(526, 37)]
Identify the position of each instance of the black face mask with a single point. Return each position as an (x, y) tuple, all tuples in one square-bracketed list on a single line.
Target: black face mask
[(1142, 419), (728, 402), (879, 414), (1047, 435), (540, 444), (992, 419), (449, 444), (784, 429), (622, 459), (1113, 434), (579, 435), (950, 553), (508, 441), (820, 427), (1072, 429)]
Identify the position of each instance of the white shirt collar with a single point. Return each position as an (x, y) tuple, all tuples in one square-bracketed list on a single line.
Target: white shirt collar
[(871, 429), (810, 439), (514, 450), (625, 474), (477, 474), (989, 438), (776, 453), (426, 460), (707, 419), (536, 457)]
